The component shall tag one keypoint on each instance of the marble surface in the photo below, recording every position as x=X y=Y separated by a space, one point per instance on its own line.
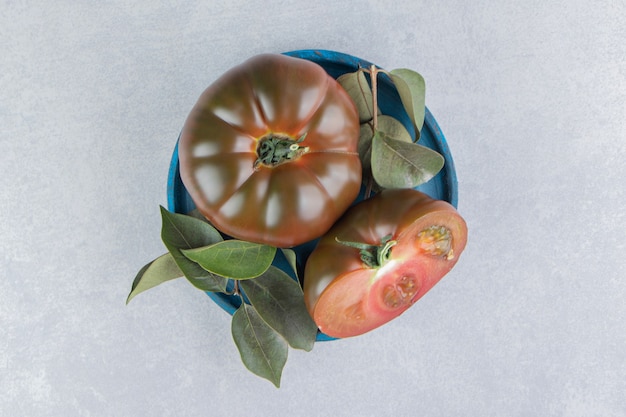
x=532 y=322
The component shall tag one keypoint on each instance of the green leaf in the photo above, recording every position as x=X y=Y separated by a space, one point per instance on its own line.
x=393 y=128
x=162 y=269
x=234 y=259
x=412 y=90
x=364 y=146
x=398 y=164
x=290 y=255
x=359 y=90
x=386 y=124
x=180 y=231
x=279 y=300
x=263 y=351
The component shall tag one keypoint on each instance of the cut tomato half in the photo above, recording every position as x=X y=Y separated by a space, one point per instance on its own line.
x=379 y=259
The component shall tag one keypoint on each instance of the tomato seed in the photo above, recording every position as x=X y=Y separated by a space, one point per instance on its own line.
x=436 y=241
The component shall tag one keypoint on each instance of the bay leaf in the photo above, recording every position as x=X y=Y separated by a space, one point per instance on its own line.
x=180 y=231
x=234 y=259
x=160 y=270
x=386 y=124
x=412 y=91
x=393 y=128
x=279 y=300
x=357 y=87
x=290 y=256
x=398 y=164
x=263 y=351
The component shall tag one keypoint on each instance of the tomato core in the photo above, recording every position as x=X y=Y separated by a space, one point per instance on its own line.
x=436 y=241
x=274 y=149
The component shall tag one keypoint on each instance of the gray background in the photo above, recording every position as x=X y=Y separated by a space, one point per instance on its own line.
x=532 y=98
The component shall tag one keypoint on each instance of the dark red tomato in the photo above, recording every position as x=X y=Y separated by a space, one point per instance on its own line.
x=268 y=153
x=379 y=259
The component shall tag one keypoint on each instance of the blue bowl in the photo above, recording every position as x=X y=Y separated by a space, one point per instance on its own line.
x=443 y=186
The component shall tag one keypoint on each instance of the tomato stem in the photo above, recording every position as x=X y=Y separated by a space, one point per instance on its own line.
x=374 y=256
x=273 y=150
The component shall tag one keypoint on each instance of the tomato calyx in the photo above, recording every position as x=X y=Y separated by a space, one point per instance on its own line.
x=275 y=149
x=374 y=256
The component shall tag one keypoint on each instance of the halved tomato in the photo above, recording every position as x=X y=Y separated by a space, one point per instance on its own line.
x=379 y=259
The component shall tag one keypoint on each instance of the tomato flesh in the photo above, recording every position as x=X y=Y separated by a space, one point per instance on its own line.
x=346 y=297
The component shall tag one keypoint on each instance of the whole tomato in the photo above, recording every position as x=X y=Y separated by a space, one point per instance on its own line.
x=269 y=152
x=379 y=259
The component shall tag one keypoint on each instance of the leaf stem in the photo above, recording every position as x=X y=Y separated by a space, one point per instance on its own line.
x=373 y=71
x=369 y=186
x=374 y=77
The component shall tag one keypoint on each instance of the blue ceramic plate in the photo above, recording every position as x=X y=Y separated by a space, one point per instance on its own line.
x=442 y=187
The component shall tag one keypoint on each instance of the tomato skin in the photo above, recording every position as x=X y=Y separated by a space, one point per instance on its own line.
x=289 y=203
x=345 y=296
